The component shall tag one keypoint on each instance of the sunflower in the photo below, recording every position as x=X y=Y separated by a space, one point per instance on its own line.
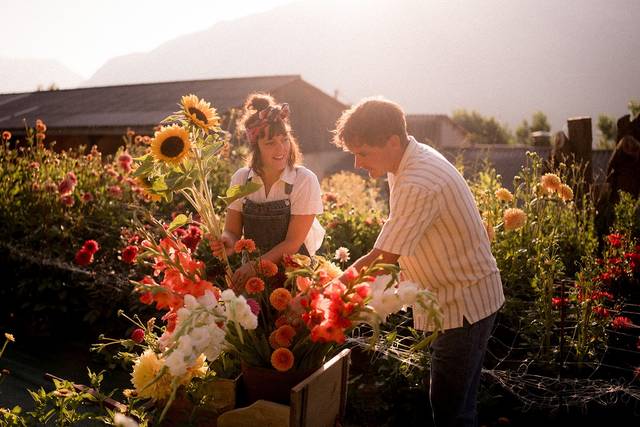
x=171 y=144
x=199 y=112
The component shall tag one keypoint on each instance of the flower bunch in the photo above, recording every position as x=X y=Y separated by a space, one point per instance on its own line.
x=184 y=152
x=304 y=310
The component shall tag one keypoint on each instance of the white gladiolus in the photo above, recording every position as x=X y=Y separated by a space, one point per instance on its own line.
x=176 y=363
x=388 y=301
x=122 y=420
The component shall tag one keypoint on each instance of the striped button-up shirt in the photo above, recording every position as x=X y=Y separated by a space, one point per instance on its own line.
x=435 y=227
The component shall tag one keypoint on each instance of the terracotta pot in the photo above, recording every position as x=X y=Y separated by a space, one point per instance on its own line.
x=269 y=384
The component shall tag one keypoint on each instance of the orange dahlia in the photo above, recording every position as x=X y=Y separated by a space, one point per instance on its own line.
x=280 y=299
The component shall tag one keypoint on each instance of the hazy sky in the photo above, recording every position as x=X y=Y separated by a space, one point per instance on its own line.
x=84 y=34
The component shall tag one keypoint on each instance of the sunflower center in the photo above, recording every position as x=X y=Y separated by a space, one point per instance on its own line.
x=199 y=114
x=172 y=146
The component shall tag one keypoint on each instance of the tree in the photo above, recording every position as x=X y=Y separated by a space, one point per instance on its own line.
x=539 y=122
x=482 y=130
x=523 y=133
x=607 y=131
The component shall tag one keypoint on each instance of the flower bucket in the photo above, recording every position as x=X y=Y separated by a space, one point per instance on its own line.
x=219 y=396
x=268 y=384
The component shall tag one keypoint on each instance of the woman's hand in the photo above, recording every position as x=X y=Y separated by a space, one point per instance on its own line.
x=242 y=274
x=224 y=244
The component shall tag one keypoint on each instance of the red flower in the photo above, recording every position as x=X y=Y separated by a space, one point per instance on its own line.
x=192 y=238
x=6 y=135
x=129 y=254
x=600 y=311
x=615 y=240
x=557 y=302
x=137 y=335
x=84 y=257
x=621 y=322
x=146 y=298
x=92 y=246
x=67 y=200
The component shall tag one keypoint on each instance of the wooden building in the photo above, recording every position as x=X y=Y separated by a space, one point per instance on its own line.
x=102 y=115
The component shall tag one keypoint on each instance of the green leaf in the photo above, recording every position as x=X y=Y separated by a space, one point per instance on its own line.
x=159 y=185
x=178 y=221
x=238 y=191
x=145 y=167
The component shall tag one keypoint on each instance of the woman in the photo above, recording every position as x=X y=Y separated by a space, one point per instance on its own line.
x=281 y=216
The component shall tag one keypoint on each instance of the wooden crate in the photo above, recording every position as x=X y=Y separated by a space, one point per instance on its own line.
x=321 y=399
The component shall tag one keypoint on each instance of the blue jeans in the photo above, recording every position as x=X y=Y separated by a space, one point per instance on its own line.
x=456 y=363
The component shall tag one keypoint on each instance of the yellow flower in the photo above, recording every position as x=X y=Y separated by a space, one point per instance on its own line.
x=145 y=370
x=9 y=337
x=504 y=195
x=550 y=182
x=199 y=112
x=144 y=188
x=198 y=370
x=330 y=268
x=514 y=218
x=171 y=144
x=565 y=192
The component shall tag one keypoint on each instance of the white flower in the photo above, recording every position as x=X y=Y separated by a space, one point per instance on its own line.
x=200 y=337
x=408 y=292
x=208 y=300
x=342 y=254
x=176 y=363
x=122 y=420
x=190 y=302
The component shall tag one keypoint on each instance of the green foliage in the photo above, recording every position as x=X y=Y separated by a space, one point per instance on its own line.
x=539 y=122
x=482 y=130
x=353 y=214
x=607 y=131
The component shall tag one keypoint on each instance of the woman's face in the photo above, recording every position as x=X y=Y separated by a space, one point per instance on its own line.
x=274 y=152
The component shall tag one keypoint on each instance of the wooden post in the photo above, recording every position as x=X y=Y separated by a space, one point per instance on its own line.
x=581 y=140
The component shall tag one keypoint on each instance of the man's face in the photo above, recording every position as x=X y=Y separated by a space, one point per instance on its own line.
x=375 y=159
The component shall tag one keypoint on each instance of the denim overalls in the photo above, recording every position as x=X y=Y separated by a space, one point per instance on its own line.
x=267 y=223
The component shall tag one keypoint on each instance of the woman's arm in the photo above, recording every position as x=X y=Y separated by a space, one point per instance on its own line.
x=230 y=235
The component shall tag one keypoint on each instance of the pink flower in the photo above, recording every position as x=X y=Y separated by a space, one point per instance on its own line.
x=67 y=200
x=125 y=162
x=557 y=302
x=137 y=335
x=66 y=186
x=86 y=197
x=254 y=306
x=115 y=191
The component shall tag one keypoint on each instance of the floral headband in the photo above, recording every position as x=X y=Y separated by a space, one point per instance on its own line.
x=266 y=117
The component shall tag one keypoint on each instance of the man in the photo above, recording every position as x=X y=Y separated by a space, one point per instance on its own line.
x=435 y=232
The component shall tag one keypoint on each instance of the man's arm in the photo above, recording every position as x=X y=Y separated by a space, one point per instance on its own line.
x=372 y=256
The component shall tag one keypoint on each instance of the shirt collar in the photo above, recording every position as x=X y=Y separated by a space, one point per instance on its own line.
x=412 y=146
x=288 y=175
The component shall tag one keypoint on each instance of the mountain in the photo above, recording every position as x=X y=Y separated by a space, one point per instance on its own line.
x=500 y=57
x=26 y=75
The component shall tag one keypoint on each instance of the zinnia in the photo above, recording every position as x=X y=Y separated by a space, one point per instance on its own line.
x=254 y=285
x=245 y=245
x=268 y=268
x=514 y=218
x=282 y=359
x=504 y=195
x=83 y=257
x=92 y=246
x=550 y=182
x=280 y=299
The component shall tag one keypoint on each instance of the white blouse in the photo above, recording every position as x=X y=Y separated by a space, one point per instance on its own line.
x=305 y=197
